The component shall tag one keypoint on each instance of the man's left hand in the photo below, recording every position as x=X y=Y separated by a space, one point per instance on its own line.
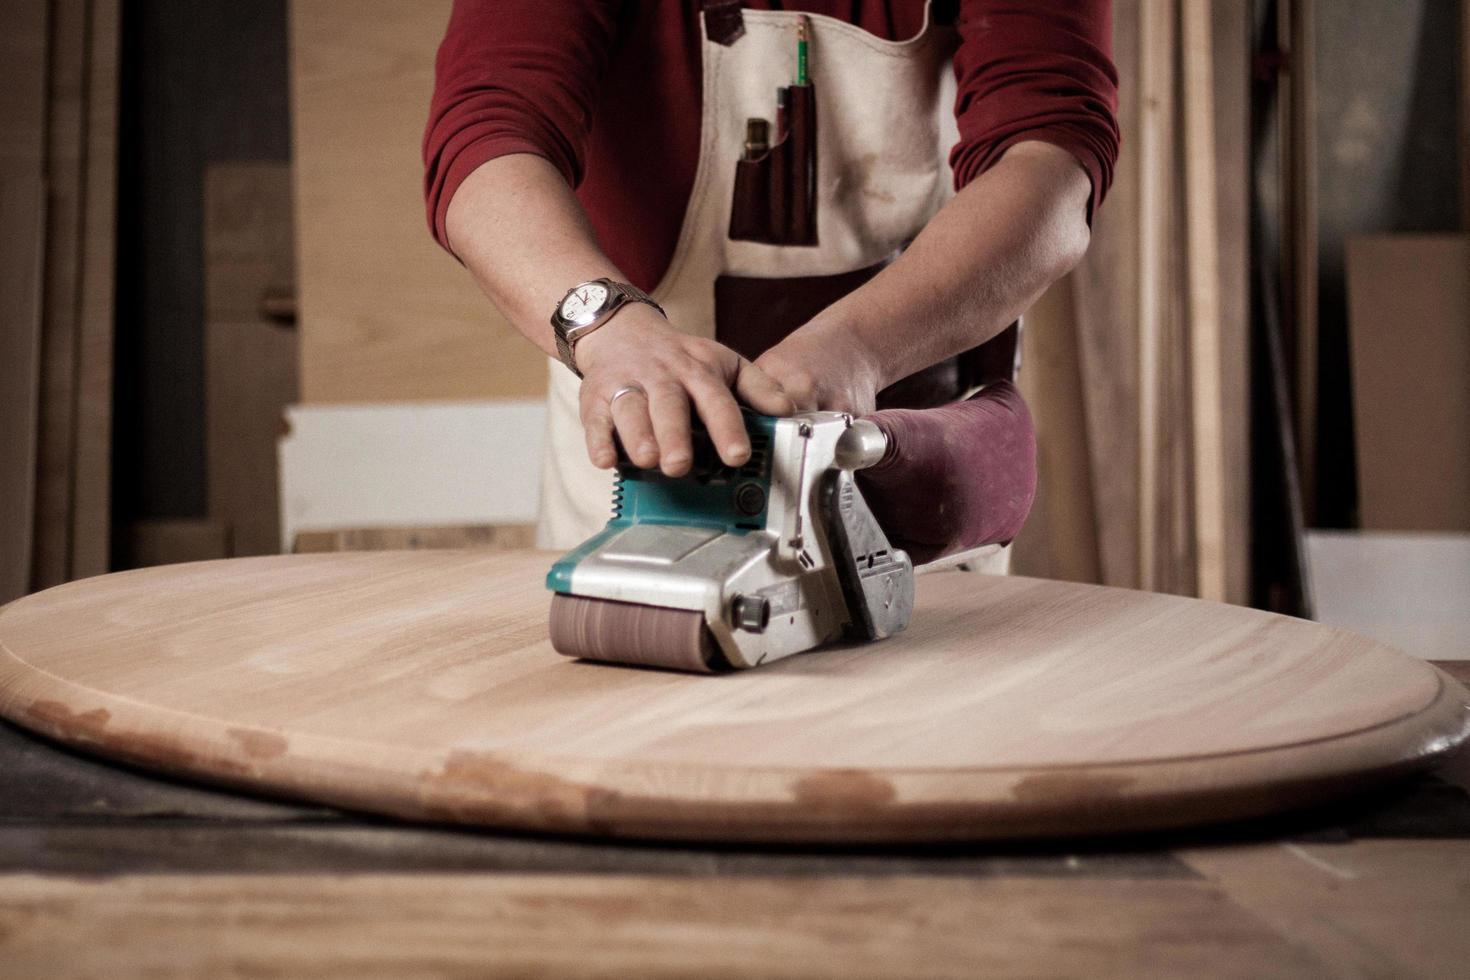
x=823 y=368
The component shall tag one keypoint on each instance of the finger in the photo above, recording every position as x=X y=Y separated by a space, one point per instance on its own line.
x=668 y=409
x=799 y=387
x=597 y=428
x=761 y=391
x=630 y=415
x=721 y=414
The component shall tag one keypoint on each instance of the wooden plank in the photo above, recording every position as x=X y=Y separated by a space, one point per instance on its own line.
x=23 y=52
x=91 y=537
x=1299 y=226
x=21 y=209
x=421 y=684
x=23 y=65
x=501 y=536
x=250 y=359
x=1107 y=294
x=1409 y=324
x=1176 y=561
x=1166 y=474
x=618 y=926
x=65 y=150
x=1372 y=908
x=385 y=314
x=1155 y=274
x=1206 y=354
x=1060 y=539
x=1232 y=80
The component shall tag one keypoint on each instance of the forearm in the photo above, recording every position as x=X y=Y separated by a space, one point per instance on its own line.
x=522 y=234
x=979 y=263
x=524 y=237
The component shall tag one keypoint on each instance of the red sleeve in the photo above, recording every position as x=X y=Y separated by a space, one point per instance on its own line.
x=1036 y=70
x=513 y=76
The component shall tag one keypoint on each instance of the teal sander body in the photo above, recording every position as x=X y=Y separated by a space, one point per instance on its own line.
x=732 y=567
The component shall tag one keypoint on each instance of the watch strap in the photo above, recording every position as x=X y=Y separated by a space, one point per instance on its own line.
x=639 y=296
x=564 y=351
x=565 y=345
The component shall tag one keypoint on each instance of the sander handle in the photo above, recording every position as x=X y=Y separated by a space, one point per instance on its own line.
x=861 y=445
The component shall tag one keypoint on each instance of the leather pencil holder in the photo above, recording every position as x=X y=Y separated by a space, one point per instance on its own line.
x=775 y=194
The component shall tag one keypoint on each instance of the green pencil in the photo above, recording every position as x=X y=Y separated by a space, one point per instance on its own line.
x=801 y=48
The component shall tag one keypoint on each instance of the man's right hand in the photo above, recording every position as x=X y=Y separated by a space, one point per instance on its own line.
x=516 y=225
x=667 y=371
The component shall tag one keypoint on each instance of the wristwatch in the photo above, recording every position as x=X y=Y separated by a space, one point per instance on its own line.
x=587 y=306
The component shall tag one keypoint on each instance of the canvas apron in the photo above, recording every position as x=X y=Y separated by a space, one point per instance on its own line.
x=885 y=124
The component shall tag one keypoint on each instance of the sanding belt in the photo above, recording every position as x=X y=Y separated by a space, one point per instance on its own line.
x=954 y=478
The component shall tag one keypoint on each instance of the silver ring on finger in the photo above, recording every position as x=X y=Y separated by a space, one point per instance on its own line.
x=627 y=390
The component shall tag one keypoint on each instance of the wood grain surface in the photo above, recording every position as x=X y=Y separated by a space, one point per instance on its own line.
x=421 y=684
x=632 y=926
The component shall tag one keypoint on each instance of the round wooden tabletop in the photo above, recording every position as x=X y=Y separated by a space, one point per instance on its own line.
x=422 y=684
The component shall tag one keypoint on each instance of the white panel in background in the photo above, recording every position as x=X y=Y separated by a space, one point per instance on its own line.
x=410 y=464
x=1408 y=589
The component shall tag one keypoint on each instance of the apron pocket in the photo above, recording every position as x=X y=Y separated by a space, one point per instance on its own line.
x=775 y=194
x=754 y=314
x=750 y=212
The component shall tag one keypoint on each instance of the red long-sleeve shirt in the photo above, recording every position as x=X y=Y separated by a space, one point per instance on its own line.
x=609 y=92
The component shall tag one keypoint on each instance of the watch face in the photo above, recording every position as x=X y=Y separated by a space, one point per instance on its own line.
x=584 y=303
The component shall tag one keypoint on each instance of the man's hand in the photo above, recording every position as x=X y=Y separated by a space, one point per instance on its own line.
x=980 y=262
x=668 y=371
x=824 y=367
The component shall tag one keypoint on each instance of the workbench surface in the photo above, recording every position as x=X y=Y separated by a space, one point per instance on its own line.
x=107 y=870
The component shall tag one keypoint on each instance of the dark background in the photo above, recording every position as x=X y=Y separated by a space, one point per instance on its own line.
x=201 y=82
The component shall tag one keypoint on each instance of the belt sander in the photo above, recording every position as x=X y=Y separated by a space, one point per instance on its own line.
x=732 y=567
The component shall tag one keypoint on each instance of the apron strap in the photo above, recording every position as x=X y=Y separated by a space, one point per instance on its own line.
x=722 y=21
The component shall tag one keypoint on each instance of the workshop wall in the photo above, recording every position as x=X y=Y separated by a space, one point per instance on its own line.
x=385 y=314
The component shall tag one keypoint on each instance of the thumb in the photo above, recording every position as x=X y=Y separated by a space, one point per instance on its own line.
x=760 y=391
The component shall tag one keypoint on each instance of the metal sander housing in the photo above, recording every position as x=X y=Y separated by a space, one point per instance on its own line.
x=737 y=566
